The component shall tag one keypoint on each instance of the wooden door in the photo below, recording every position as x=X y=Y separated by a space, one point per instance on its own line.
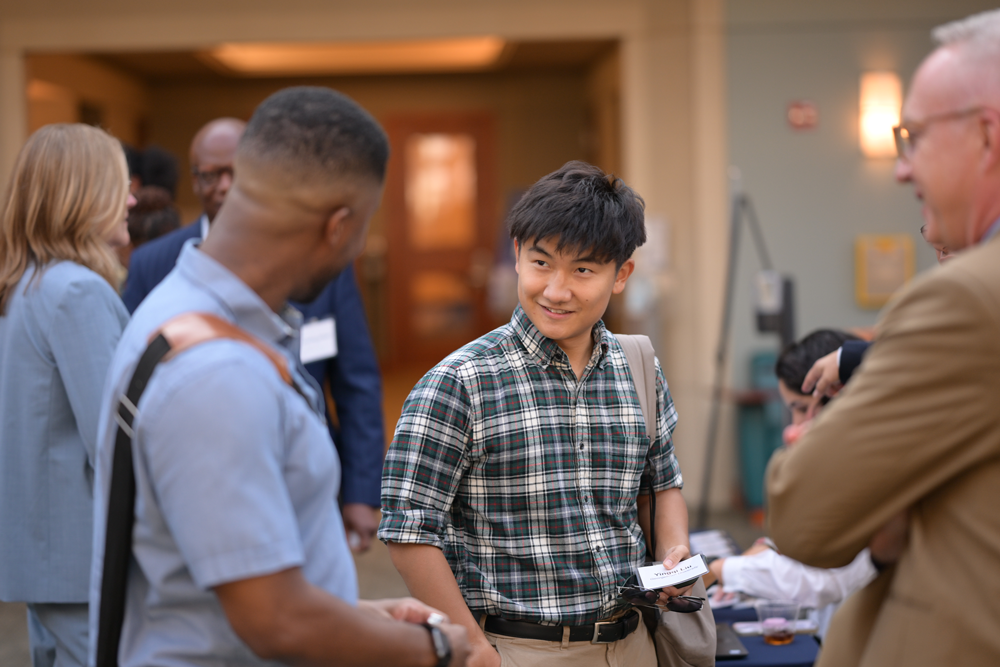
x=441 y=199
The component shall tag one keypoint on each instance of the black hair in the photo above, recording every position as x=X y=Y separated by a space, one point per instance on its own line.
x=586 y=209
x=133 y=158
x=152 y=216
x=317 y=129
x=797 y=358
x=159 y=168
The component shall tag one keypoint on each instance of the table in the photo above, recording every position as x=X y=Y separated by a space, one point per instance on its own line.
x=801 y=652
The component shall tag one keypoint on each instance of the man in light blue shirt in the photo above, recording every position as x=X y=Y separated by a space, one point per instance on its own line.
x=239 y=551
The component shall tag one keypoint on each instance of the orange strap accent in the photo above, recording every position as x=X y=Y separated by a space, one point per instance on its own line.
x=190 y=329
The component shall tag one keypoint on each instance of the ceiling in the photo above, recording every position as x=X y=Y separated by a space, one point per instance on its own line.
x=514 y=56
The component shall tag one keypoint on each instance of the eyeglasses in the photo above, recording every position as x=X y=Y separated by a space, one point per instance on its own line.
x=210 y=177
x=906 y=134
x=644 y=597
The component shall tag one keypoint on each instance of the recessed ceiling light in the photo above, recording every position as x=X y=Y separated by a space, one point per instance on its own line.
x=316 y=59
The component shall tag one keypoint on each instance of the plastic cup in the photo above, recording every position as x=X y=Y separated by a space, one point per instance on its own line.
x=777 y=621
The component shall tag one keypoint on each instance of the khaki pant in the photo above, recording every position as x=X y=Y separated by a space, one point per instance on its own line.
x=636 y=650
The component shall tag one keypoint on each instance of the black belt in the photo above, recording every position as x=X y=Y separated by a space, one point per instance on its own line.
x=599 y=633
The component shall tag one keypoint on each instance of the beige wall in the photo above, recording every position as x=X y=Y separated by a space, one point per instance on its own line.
x=541 y=117
x=58 y=84
x=673 y=140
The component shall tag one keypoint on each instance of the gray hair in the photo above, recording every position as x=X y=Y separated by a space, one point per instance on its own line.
x=978 y=39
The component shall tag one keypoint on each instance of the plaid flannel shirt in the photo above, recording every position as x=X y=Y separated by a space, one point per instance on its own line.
x=526 y=477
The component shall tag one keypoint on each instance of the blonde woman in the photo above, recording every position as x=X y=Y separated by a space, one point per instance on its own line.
x=60 y=320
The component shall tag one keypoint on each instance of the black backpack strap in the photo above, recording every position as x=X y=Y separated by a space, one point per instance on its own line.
x=121 y=510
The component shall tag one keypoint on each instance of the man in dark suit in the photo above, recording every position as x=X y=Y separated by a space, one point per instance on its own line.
x=343 y=355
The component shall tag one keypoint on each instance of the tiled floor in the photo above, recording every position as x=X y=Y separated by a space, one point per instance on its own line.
x=14 y=635
x=377 y=578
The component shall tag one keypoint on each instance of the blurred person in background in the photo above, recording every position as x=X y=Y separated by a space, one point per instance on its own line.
x=918 y=426
x=133 y=158
x=762 y=571
x=153 y=216
x=159 y=168
x=212 y=151
x=60 y=320
x=349 y=366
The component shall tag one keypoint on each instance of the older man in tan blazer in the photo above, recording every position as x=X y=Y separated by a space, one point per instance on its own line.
x=918 y=428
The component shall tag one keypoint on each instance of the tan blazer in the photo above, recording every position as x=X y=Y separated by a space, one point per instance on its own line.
x=917 y=427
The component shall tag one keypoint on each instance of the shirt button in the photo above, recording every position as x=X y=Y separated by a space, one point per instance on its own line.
x=586 y=499
x=581 y=445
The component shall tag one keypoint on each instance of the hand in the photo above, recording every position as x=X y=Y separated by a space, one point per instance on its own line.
x=674 y=556
x=483 y=655
x=408 y=610
x=793 y=432
x=361 y=520
x=888 y=544
x=823 y=379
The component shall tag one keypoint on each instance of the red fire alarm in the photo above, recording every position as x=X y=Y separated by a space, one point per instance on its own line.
x=802 y=115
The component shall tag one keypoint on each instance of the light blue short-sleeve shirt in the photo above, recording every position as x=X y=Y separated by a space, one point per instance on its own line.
x=236 y=476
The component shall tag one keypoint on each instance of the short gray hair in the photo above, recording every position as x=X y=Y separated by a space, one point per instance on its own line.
x=978 y=39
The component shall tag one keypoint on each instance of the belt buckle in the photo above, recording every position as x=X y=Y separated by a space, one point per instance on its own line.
x=596 y=639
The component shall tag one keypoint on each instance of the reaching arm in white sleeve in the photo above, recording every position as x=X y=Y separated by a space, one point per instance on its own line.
x=768 y=574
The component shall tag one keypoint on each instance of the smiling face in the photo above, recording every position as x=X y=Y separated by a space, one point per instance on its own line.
x=943 y=165
x=564 y=294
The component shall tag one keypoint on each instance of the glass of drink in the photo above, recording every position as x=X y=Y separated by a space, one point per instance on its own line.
x=777 y=621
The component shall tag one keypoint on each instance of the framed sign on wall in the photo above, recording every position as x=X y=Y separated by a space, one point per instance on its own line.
x=882 y=264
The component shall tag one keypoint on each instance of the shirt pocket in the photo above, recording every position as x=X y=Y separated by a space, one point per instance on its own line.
x=617 y=463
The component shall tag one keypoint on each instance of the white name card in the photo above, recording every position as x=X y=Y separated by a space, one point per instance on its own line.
x=657 y=576
x=318 y=340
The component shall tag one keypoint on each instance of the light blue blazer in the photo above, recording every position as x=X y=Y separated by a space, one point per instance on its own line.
x=57 y=337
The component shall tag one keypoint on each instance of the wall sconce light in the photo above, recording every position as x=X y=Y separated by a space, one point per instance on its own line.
x=881 y=99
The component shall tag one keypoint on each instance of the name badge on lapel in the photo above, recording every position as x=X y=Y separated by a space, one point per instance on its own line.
x=318 y=340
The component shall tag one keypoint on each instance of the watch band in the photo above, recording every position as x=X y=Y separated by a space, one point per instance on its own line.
x=442 y=648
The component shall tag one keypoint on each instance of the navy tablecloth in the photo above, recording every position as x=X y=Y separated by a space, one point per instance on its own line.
x=801 y=652
x=730 y=615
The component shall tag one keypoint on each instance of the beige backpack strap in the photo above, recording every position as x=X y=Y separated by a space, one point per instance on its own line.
x=190 y=329
x=642 y=362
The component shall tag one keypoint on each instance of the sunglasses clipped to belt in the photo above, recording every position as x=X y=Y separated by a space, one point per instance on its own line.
x=603 y=632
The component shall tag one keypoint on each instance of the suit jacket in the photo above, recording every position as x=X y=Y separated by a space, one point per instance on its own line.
x=151 y=262
x=918 y=427
x=852 y=352
x=354 y=376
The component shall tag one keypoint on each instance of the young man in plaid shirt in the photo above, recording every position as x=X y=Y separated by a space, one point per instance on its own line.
x=509 y=493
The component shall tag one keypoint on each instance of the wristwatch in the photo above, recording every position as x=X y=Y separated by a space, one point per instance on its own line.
x=442 y=649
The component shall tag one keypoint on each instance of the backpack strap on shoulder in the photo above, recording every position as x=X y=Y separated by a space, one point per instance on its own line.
x=642 y=362
x=173 y=337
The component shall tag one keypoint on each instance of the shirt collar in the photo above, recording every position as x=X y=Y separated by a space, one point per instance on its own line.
x=992 y=231
x=247 y=309
x=205 y=225
x=545 y=350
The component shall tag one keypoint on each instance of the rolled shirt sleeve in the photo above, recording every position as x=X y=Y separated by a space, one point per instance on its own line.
x=426 y=462
x=666 y=469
